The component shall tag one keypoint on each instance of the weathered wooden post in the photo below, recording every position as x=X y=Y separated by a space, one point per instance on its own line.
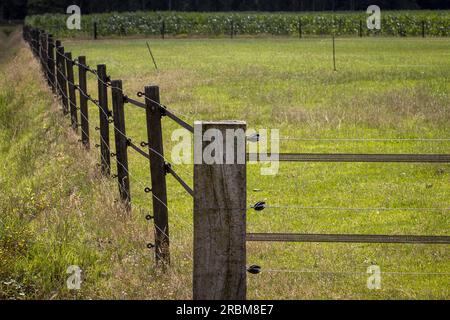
x=95 y=30
x=158 y=171
x=72 y=95
x=121 y=141
x=62 y=78
x=84 y=114
x=104 y=119
x=232 y=29
x=219 y=211
x=40 y=47
x=51 y=63
x=163 y=29
x=36 y=42
x=300 y=31
x=43 y=49
x=57 y=68
x=360 y=28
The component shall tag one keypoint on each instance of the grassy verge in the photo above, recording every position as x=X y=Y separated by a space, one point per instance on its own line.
x=55 y=210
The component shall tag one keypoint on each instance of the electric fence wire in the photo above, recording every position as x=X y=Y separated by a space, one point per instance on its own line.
x=177 y=217
x=108 y=115
x=364 y=139
x=354 y=272
x=259 y=207
x=128 y=173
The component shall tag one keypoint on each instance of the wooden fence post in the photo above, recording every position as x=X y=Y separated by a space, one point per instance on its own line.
x=158 y=174
x=95 y=30
x=163 y=29
x=36 y=42
x=104 y=119
x=121 y=141
x=61 y=69
x=72 y=95
x=220 y=214
x=232 y=29
x=43 y=50
x=40 y=53
x=84 y=113
x=51 y=63
x=300 y=31
x=57 y=66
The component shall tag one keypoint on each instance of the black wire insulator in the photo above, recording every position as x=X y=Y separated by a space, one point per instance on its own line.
x=167 y=167
x=148 y=217
x=259 y=206
x=254 y=269
x=144 y=144
x=253 y=138
x=150 y=245
x=147 y=190
x=140 y=94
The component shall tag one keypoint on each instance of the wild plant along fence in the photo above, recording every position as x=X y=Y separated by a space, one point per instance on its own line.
x=219 y=191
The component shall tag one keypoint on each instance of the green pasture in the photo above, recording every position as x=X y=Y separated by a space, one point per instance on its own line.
x=383 y=89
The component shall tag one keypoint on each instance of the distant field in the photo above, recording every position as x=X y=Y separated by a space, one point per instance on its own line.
x=384 y=88
x=219 y=24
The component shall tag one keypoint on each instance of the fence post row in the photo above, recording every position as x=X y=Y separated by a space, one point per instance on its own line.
x=104 y=120
x=121 y=141
x=158 y=174
x=84 y=113
x=72 y=95
x=220 y=215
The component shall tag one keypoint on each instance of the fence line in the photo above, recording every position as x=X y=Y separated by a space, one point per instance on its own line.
x=301 y=28
x=61 y=80
x=219 y=191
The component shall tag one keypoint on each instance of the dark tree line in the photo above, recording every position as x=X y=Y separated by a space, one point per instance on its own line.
x=18 y=9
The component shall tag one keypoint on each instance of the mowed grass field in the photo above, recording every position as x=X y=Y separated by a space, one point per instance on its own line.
x=383 y=88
